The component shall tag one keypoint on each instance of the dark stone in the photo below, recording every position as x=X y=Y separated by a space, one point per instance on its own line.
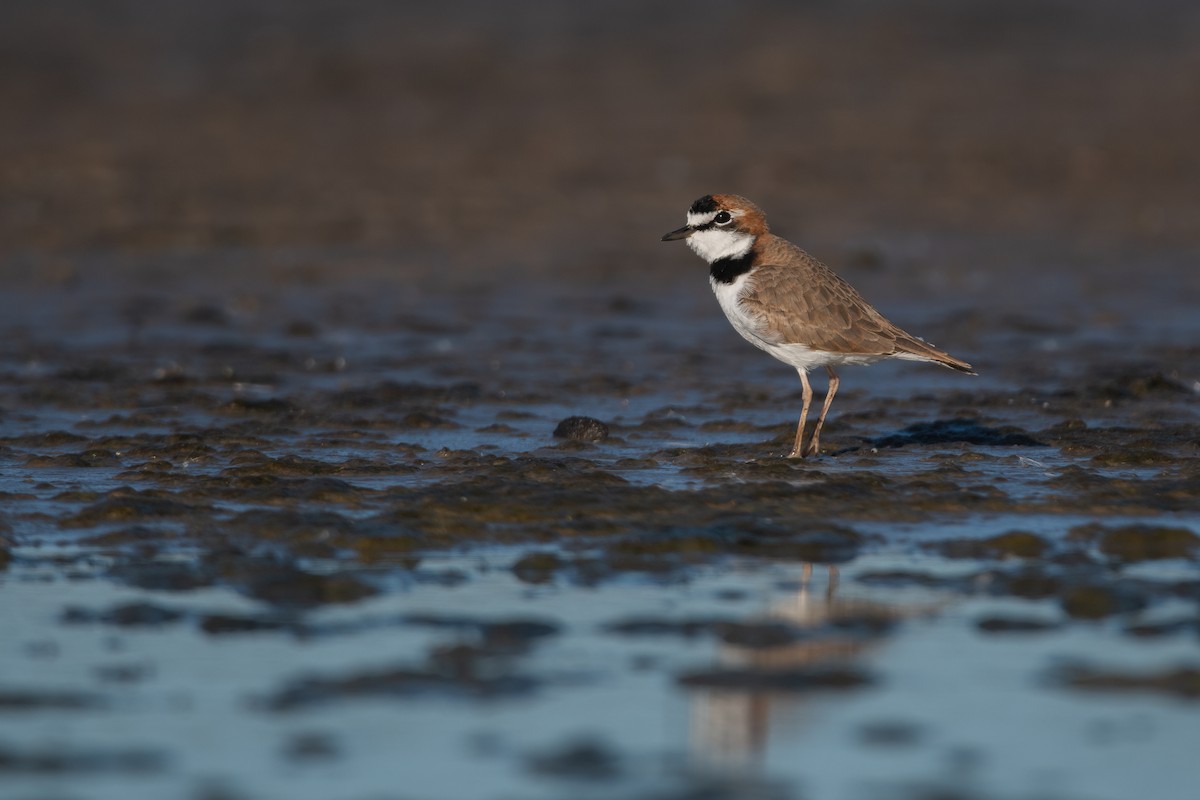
x=583 y=429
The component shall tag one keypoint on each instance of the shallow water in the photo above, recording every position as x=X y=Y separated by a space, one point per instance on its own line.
x=349 y=558
x=585 y=703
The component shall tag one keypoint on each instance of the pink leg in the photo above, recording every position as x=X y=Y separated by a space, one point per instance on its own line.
x=797 y=448
x=814 y=444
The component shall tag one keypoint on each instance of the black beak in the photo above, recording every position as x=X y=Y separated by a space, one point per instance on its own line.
x=681 y=233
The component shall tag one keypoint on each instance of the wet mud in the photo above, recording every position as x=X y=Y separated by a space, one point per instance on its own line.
x=350 y=426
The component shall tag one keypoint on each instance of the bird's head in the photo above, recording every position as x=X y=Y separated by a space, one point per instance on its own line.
x=721 y=226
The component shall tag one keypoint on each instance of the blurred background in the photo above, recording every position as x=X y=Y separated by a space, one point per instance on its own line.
x=537 y=136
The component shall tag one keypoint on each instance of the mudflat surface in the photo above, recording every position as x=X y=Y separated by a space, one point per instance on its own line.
x=298 y=305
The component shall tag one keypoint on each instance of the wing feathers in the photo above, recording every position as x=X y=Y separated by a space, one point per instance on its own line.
x=805 y=302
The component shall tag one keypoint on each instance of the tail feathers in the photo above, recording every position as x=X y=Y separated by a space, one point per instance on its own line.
x=955 y=364
x=919 y=350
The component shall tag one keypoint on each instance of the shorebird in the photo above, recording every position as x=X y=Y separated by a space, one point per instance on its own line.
x=784 y=301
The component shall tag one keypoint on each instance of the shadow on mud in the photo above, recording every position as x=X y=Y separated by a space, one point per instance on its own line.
x=954 y=431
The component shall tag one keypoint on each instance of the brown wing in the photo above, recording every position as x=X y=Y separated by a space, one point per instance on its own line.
x=807 y=303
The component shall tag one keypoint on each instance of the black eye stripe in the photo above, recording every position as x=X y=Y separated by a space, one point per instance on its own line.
x=720 y=220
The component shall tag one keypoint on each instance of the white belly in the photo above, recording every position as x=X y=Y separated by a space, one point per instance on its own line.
x=800 y=356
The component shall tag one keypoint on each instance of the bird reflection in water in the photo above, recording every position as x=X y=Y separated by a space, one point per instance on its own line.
x=753 y=681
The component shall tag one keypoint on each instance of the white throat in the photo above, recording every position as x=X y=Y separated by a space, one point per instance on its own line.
x=715 y=244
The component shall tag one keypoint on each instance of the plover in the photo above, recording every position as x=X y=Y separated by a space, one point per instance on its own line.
x=784 y=301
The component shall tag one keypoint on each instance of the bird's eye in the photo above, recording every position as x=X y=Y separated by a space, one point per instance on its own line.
x=723 y=218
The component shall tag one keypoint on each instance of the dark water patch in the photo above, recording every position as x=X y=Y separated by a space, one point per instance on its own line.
x=129 y=615
x=253 y=570
x=494 y=636
x=392 y=395
x=17 y=700
x=451 y=673
x=1174 y=627
x=268 y=406
x=732 y=426
x=903 y=578
x=223 y=624
x=205 y=314
x=1180 y=682
x=815 y=679
x=891 y=734
x=149 y=615
x=309 y=747
x=584 y=760
x=66 y=762
x=165 y=576
x=95 y=371
x=817 y=545
x=756 y=634
x=1008 y=624
x=123 y=673
x=958 y=431
x=1032 y=584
